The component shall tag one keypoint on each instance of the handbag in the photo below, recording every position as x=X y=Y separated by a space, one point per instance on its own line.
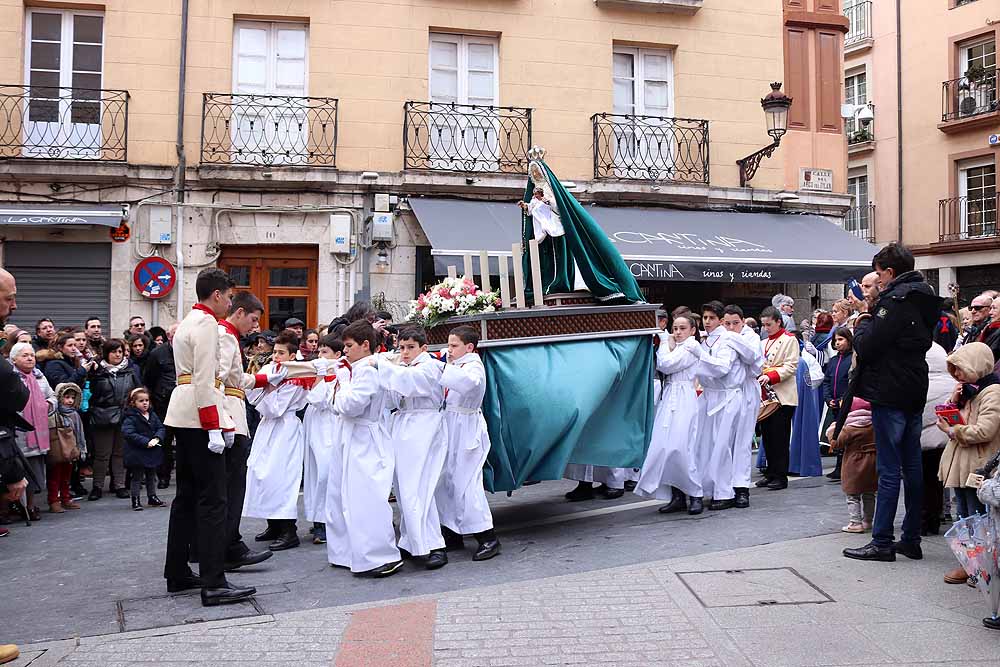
x=815 y=370
x=62 y=443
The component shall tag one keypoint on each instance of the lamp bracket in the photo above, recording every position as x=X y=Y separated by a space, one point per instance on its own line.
x=748 y=165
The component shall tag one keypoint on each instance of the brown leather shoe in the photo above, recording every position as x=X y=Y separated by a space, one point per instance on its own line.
x=956 y=576
x=56 y=508
x=71 y=505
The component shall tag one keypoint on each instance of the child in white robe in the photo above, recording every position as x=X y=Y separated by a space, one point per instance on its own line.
x=359 y=530
x=320 y=425
x=670 y=471
x=461 y=498
x=274 y=469
x=746 y=345
x=419 y=443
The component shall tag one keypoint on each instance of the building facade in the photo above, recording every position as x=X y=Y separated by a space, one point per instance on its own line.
x=283 y=141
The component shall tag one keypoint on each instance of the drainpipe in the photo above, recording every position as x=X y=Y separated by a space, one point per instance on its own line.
x=899 y=113
x=179 y=175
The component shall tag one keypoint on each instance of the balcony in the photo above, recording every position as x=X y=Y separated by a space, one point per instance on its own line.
x=969 y=101
x=859 y=34
x=63 y=123
x=650 y=148
x=860 y=221
x=268 y=130
x=964 y=219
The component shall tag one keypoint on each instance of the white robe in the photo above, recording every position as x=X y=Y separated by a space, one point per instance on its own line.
x=671 y=459
x=359 y=532
x=545 y=220
x=274 y=469
x=750 y=353
x=720 y=407
x=320 y=427
x=419 y=444
x=461 y=498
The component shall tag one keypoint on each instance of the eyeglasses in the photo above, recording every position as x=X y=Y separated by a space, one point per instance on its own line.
x=978 y=307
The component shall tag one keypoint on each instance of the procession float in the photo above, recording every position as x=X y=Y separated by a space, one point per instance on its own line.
x=567 y=342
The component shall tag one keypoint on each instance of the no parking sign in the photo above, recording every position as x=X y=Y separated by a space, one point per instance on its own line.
x=154 y=277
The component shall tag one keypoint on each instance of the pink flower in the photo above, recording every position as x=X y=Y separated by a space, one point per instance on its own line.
x=444 y=292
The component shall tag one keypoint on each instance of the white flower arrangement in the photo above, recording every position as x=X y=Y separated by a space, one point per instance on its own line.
x=450 y=298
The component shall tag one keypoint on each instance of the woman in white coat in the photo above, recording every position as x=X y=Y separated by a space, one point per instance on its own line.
x=670 y=470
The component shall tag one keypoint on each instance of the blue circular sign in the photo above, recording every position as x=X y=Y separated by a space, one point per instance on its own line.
x=154 y=277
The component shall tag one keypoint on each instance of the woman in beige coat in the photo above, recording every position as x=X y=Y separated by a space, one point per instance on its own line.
x=973 y=442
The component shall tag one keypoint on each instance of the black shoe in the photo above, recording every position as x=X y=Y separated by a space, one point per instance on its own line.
x=487 y=549
x=122 y=494
x=154 y=501
x=697 y=505
x=271 y=533
x=247 y=558
x=764 y=481
x=436 y=560
x=404 y=554
x=833 y=474
x=386 y=570
x=630 y=485
x=178 y=585
x=452 y=540
x=95 y=493
x=742 y=498
x=778 y=484
x=163 y=484
x=211 y=597
x=288 y=540
x=79 y=493
x=583 y=491
x=716 y=505
x=991 y=623
x=609 y=493
x=930 y=529
x=136 y=505
x=911 y=550
x=871 y=551
x=678 y=503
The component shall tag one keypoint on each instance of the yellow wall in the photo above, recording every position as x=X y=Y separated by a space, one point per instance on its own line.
x=555 y=57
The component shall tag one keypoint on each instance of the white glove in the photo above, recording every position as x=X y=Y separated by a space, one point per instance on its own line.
x=343 y=372
x=216 y=441
x=277 y=375
x=322 y=366
x=153 y=442
x=694 y=347
x=229 y=437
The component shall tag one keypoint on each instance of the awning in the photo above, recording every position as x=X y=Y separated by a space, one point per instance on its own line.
x=38 y=215
x=665 y=244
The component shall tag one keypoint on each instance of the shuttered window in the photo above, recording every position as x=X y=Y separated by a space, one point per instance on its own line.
x=66 y=282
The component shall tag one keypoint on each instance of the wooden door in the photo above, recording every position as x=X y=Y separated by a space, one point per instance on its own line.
x=284 y=278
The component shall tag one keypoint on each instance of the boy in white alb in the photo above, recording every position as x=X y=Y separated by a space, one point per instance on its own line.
x=274 y=469
x=746 y=344
x=461 y=499
x=320 y=426
x=419 y=443
x=359 y=531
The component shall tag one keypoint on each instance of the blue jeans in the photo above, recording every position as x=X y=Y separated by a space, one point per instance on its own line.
x=897 y=448
x=968 y=502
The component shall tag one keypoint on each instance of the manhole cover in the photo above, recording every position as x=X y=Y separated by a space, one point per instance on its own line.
x=752 y=588
x=163 y=610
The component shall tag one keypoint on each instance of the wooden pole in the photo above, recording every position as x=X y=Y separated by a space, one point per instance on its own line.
x=484 y=269
x=452 y=272
x=504 y=283
x=467 y=258
x=518 y=275
x=536 y=273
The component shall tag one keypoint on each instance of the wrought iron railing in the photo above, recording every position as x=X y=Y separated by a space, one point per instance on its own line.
x=860 y=221
x=859 y=134
x=269 y=130
x=961 y=218
x=860 y=16
x=650 y=148
x=63 y=123
x=445 y=136
x=969 y=95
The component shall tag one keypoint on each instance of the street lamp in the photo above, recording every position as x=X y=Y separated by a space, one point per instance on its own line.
x=775 y=107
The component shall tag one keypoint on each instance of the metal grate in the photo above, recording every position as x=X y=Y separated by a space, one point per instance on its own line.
x=777 y=586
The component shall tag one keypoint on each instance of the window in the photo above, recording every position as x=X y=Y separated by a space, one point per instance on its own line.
x=643 y=93
x=63 y=66
x=857 y=217
x=270 y=64
x=855 y=92
x=283 y=277
x=977 y=185
x=978 y=77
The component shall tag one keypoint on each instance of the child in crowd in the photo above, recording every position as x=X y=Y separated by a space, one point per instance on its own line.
x=274 y=469
x=144 y=434
x=359 y=530
x=419 y=445
x=858 y=476
x=320 y=426
x=460 y=496
x=65 y=428
x=835 y=381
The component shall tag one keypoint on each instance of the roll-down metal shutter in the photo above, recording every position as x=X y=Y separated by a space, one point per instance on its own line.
x=66 y=282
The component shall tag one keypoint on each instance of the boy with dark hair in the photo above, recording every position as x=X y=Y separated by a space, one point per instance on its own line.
x=419 y=445
x=359 y=530
x=320 y=427
x=460 y=496
x=746 y=344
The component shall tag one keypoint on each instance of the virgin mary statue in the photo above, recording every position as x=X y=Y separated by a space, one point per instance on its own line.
x=574 y=252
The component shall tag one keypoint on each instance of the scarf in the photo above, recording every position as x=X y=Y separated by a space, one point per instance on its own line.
x=971 y=390
x=70 y=417
x=117 y=368
x=859 y=418
x=36 y=413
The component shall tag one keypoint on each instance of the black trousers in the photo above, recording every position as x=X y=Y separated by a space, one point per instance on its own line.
x=776 y=431
x=236 y=489
x=933 y=499
x=166 y=468
x=139 y=474
x=199 y=509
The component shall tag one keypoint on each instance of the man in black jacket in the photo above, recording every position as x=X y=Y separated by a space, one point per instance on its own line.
x=891 y=341
x=13 y=398
x=161 y=379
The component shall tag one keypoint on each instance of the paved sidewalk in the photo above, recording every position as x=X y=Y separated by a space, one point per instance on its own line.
x=796 y=603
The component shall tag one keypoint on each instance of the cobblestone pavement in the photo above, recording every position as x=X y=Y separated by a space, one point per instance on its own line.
x=796 y=603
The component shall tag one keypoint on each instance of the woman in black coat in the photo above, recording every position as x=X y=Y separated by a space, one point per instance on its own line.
x=110 y=385
x=836 y=378
x=63 y=363
x=144 y=434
